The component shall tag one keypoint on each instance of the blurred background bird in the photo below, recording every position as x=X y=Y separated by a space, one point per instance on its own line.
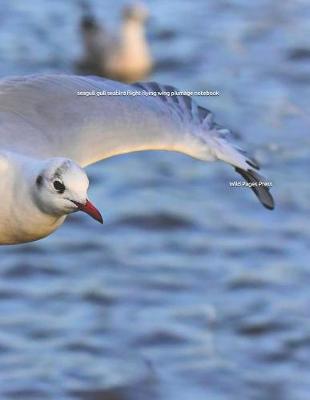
x=124 y=55
x=198 y=293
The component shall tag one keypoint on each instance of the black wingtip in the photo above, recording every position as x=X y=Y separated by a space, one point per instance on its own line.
x=253 y=163
x=261 y=191
x=249 y=160
x=269 y=206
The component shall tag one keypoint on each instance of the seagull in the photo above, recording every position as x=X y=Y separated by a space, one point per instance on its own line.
x=52 y=126
x=125 y=56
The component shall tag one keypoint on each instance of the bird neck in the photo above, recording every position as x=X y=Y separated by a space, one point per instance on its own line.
x=133 y=38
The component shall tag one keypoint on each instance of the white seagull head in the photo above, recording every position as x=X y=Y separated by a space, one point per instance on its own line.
x=61 y=189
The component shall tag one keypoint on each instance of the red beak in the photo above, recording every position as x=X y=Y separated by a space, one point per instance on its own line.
x=91 y=210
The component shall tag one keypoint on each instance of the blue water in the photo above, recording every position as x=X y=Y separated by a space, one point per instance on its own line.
x=190 y=290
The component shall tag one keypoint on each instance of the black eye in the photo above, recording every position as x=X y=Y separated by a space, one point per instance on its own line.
x=39 y=180
x=59 y=186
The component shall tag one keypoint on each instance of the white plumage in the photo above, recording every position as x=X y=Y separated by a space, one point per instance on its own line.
x=52 y=125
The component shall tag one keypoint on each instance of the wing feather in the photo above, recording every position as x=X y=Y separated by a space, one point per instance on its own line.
x=47 y=115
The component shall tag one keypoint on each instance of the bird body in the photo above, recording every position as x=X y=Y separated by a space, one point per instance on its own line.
x=51 y=126
x=128 y=58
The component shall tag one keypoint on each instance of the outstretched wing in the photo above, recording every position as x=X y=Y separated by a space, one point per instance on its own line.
x=219 y=140
x=83 y=118
x=88 y=119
